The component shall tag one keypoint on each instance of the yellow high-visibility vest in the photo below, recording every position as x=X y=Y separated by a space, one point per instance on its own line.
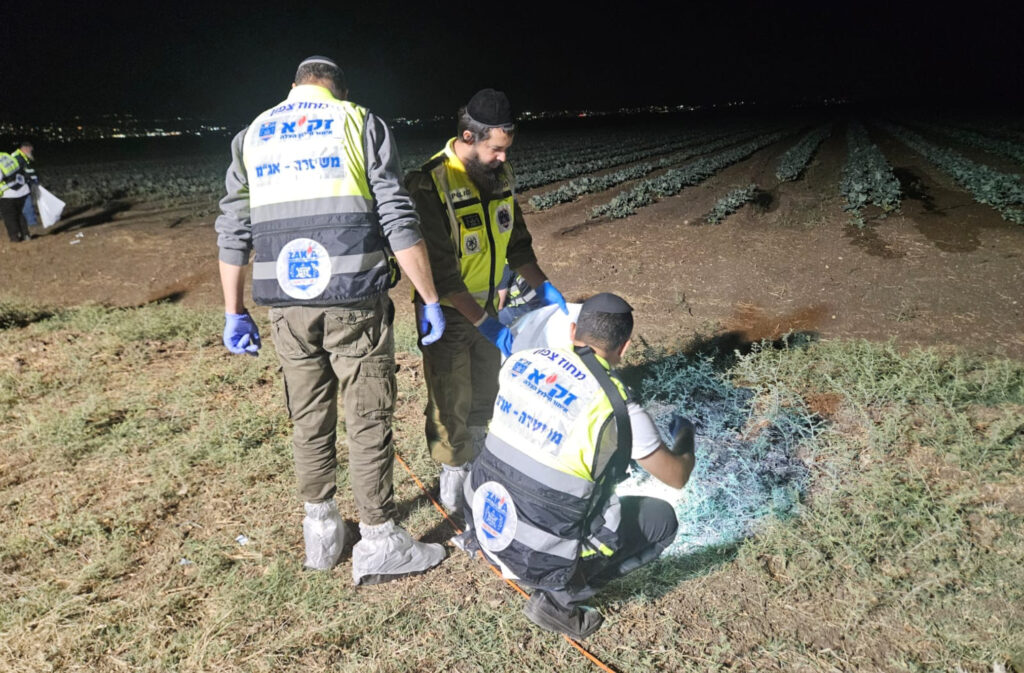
x=480 y=227
x=317 y=239
x=532 y=491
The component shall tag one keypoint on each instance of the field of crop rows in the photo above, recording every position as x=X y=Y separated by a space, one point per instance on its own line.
x=629 y=167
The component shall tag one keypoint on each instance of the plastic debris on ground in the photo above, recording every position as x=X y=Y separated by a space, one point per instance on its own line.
x=241 y=539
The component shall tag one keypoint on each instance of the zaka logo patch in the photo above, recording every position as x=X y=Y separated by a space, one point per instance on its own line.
x=519 y=367
x=494 y=515
x=471 y=244
x=303 y=268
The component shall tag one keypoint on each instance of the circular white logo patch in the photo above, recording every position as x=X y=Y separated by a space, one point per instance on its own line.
x=494 y=515
x=303 y=268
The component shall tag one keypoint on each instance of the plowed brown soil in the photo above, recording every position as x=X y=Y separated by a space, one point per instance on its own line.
x=945 y=270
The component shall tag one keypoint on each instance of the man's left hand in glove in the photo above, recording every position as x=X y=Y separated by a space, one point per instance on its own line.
x=550 y=295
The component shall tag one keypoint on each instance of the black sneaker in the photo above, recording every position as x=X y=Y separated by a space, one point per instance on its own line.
x=577 y=623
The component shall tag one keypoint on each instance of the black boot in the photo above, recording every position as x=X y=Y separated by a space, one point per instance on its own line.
x=577 y=622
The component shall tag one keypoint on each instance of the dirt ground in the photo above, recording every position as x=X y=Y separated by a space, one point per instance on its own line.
x=944 y=270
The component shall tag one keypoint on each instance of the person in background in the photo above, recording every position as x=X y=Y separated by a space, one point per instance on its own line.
x=16 y=187
x=473 y=226
x=515 y=297
x=29 y=210
x=314 y=189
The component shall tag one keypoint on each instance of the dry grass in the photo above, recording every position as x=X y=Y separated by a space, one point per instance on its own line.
x=134 y=451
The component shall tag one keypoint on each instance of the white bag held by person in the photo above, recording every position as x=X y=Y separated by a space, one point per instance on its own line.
x=545 y=327
x=50 y=207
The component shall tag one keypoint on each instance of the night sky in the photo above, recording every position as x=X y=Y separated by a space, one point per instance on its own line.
x=228 y=62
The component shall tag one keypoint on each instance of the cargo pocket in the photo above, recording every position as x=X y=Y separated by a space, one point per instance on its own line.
x=376 y=386
x=287 y=344
x=351 y=333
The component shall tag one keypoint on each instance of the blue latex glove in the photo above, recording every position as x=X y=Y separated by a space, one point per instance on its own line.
x=240 y=334
x=682 y=431
x=497 y=334
x=431 y=322
x=550 y=295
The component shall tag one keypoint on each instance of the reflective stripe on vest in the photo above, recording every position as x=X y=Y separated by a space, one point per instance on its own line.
x=8 y=170
x=13 y=174
x=8 y=164
x=541 y=447
x=480 y=228
x=316 y=237
x=520 y=293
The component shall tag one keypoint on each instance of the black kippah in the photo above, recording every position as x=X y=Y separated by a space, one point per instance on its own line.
x=490 y=108
x=606 y=302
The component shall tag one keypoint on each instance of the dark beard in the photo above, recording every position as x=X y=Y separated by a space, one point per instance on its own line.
x=487 y=179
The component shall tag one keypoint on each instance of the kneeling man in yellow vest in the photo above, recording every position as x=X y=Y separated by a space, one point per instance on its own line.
x=540 y=500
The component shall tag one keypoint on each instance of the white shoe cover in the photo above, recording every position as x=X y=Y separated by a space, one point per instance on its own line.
x=323 y=530
x=387 y=553
x=452 y=482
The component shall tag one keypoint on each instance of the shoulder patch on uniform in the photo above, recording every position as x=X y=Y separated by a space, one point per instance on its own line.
x=504 y=216
x=433 y=163
x=471 y=244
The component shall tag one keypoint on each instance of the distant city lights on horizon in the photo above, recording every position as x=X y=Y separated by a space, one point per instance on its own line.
x=126 y=125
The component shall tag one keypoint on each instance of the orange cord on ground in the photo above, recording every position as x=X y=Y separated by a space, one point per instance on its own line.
x=458 y=531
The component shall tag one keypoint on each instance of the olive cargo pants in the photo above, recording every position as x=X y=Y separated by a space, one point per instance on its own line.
x=351 y=348
x=461 y=372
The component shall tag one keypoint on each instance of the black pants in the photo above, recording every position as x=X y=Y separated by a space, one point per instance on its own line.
x=648 y=526
x=11 y=209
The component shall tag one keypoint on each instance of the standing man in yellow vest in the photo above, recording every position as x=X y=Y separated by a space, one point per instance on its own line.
x=315 y=191
x=465 y=196
x=540 y=500
x=16 y=179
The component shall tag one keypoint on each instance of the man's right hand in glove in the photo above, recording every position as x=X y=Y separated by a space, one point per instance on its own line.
x=673 y=464
x=682 y=435
x=431 y=322
x=240 y=334
x=497 y=334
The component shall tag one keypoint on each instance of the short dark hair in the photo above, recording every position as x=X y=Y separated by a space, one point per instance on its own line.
x=318 y=70
x=26 y=143
x=478 y=130
x=607 y=331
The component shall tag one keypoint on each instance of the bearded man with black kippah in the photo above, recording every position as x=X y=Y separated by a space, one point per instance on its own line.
x=472 y=224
